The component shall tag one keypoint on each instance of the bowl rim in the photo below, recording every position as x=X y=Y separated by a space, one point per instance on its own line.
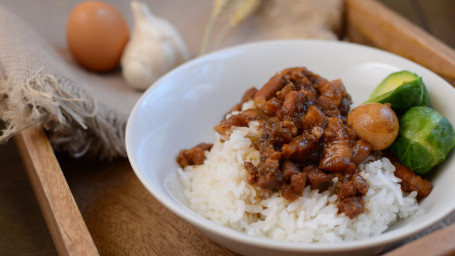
x=267 y=243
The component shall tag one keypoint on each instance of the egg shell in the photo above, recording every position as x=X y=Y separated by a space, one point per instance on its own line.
x=96 y=34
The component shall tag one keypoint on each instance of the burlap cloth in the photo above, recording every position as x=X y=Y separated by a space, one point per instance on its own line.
x=85 y=113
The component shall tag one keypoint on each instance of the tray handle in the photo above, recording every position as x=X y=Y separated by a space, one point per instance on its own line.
x=66 y=225
x=370 y=22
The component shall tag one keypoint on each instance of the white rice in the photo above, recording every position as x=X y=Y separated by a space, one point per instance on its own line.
x=219 y=191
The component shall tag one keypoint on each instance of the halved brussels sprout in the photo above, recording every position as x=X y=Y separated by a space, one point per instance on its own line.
x=402 y=90
x=424 y=140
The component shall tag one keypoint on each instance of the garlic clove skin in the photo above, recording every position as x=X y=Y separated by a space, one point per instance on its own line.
x=155 y=47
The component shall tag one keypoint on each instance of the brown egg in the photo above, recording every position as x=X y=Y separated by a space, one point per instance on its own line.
x=374 y=123
x=97 y=34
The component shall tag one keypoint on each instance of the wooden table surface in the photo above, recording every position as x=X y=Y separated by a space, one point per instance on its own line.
x=24 y=231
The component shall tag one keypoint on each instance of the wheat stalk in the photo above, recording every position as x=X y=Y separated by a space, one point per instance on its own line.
x=243 y=10
x=219 y=7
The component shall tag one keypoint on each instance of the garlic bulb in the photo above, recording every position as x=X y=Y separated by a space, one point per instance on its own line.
x=154 y=48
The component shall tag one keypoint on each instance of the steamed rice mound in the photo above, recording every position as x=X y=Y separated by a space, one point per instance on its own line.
x=219 y=191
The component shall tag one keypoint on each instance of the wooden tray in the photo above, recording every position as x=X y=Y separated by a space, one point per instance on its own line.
x=93 y=207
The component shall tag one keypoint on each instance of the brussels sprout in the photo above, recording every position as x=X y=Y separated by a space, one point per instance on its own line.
x=424 y=140
x=402 y=90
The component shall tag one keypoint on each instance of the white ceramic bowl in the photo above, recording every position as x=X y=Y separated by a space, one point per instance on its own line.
x=180 y=110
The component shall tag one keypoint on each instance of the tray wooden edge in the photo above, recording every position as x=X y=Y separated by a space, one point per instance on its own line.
x=440 y=242
x=371 y=23
x=63 y=218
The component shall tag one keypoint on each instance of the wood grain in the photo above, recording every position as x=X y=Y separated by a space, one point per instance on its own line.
x=369 y=22
x=124 y=218
x=67 y=228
